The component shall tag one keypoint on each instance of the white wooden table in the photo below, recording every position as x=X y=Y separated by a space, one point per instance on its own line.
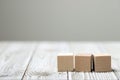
x=38 y=60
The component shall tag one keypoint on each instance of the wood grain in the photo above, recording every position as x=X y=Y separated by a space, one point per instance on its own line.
x=113 y=48
x=3 y=46
x=14 y=60
x=38 y=60
x=90 y=48
x=82 y=47
x=44 y=63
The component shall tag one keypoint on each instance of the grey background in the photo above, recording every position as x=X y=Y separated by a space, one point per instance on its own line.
x=72 y=20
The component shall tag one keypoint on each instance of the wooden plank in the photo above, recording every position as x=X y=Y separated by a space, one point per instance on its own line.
x=14 y=60
x=90 y=48
x=76 y=76
x=101 y=75
x=113 y=48
x=44 y=63
x=77 y=48
x=83 y=47
x=3 y=46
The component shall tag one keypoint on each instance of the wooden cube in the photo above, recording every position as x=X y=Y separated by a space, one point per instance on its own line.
x=65 y=63
x=102 y=62
x=83 y=62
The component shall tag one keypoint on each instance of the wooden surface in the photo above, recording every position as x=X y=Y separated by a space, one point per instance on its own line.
x=38 y=60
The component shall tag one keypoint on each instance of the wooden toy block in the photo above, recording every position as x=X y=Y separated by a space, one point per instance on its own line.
x=102 y=62
x=65 y=63
x=83 y=62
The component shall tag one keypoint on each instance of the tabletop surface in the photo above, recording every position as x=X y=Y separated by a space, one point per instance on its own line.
x=38 y=60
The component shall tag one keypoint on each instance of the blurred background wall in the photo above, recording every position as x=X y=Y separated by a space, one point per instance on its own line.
x=71 y=20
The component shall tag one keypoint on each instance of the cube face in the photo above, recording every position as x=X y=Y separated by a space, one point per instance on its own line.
x=83 y=63
x=65 y=63
x=102 y=63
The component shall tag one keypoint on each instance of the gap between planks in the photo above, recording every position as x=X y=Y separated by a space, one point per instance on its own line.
x=29 y=61
x=73 y=48
x=15 y=59
x=94 y=48
x=43 y=65
x=112 y=49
